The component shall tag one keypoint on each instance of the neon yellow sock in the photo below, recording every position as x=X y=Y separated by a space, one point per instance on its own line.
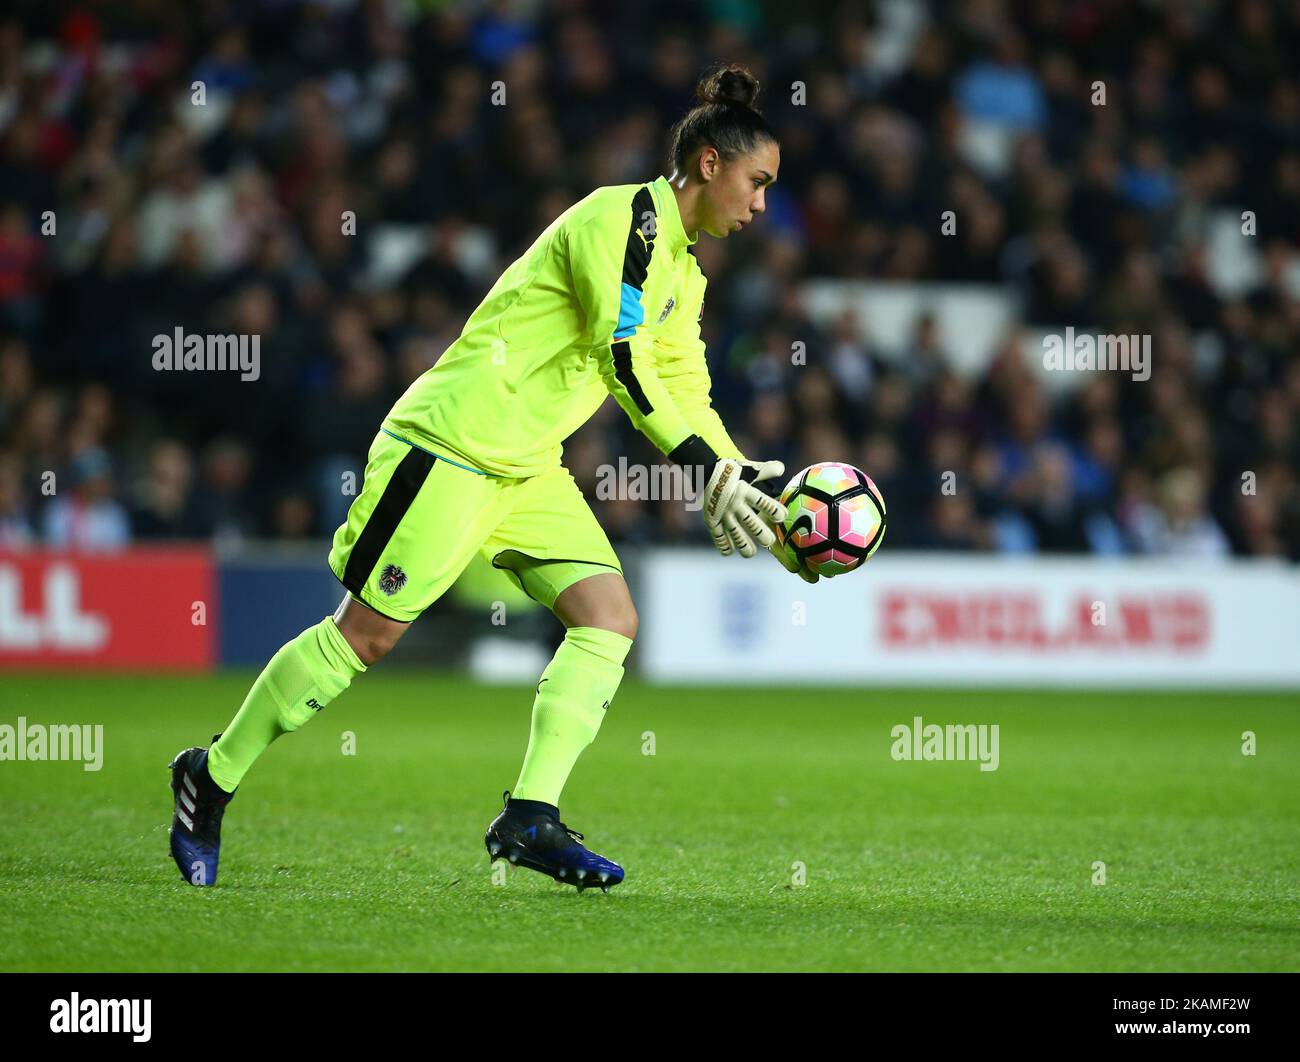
x=301 y=679
x=572 y=697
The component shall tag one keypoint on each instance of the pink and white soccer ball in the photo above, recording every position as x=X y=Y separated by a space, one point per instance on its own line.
x=835 y=518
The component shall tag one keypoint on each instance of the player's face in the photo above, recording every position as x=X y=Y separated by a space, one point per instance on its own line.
x=736 y=193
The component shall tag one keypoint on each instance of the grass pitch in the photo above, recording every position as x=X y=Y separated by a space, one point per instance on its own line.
x=375 y=861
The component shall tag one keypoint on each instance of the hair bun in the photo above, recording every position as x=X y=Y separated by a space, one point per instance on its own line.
x=728 y=84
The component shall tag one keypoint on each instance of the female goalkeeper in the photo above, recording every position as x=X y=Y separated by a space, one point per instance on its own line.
x=606 y=301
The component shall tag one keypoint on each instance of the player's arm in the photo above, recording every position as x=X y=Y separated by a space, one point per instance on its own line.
x=683 y=368
x=608 y=260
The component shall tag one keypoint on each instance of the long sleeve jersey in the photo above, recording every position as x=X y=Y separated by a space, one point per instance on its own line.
x=607 y=301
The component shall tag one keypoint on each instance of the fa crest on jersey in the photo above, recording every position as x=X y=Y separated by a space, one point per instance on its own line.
x=668 y=308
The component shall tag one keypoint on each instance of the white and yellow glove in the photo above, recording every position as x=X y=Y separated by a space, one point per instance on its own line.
x=771 y=470
x=756 y=472
x=739 y=516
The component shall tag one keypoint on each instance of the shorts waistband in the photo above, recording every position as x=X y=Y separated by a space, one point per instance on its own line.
x=440 y=457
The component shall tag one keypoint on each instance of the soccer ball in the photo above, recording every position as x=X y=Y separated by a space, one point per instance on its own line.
x=835 y=518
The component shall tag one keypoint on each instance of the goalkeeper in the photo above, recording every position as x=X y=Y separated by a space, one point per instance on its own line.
x=607 y=300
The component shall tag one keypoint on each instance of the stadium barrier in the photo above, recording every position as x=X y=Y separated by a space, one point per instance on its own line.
x=919 y=619
x=139 y=609
x=190 y=609
x=952 y=620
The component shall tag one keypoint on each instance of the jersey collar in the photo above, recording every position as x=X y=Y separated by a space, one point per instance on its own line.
x=670 y=218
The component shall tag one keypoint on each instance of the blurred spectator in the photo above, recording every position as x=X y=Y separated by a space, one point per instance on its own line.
x=87 y=516
x=1178 y=524
x=16 y=528
x=163 y=507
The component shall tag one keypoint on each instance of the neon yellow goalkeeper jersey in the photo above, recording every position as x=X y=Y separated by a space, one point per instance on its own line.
x=606 y=301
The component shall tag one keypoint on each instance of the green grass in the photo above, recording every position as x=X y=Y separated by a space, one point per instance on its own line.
x=376 y=861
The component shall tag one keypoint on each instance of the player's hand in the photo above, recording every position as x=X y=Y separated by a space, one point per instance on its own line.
x=757 y=472
x=761 y=471
x=792 y=563
x=739 y=516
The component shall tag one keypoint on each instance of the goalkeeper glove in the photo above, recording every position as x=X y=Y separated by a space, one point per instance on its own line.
x=757 y=473
x=739 y=515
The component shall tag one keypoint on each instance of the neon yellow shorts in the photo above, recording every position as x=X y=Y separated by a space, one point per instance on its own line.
x=420 y=517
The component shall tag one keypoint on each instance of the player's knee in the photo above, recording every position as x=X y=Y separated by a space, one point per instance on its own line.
x=369 y=634
x=370 y=645
x=622 y=621
x=372 y=648
x=602 y=602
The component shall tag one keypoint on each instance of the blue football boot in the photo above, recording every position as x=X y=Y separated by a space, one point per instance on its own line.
x=196 y=819
x=530 y=834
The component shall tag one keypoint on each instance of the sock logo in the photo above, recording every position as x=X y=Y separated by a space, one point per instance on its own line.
x=604 y=706
x=315 y=705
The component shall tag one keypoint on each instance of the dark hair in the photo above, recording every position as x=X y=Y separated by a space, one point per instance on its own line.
x=725 y=118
